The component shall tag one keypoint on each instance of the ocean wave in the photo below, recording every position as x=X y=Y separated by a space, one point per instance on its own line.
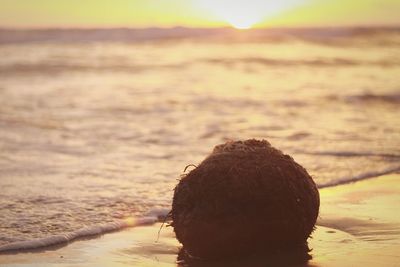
x=46 y=67
x=362 y=176
x=348 y=154
x=65 y=35
x=367 y=98
x=317 y=62
x=151 y=218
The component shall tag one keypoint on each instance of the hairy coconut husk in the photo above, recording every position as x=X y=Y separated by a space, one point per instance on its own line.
x=245 y=197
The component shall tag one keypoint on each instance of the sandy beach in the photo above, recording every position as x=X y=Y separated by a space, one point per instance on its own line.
x=248 y=125
x=358 y=226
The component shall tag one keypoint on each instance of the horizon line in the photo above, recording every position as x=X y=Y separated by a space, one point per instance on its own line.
x=355 y=26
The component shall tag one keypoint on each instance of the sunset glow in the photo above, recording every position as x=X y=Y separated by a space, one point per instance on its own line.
x=243 y=14
x=196 y=13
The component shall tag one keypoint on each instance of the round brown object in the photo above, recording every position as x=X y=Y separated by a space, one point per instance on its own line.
x=245 y=197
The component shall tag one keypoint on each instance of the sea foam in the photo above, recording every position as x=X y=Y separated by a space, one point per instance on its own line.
x=84 y=232
x=362 y=176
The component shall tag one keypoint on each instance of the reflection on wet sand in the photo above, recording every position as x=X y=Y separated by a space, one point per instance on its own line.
x=298 y=256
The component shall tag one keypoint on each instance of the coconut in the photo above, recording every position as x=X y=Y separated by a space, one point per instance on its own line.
x=245 y=197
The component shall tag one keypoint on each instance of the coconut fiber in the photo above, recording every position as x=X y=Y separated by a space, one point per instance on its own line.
x=245 y=197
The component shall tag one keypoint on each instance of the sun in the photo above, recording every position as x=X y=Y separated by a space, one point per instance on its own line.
x=244 y=14
x=241 y=22
x=241 y=25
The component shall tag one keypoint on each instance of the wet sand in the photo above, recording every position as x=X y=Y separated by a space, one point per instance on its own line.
x=359 y=225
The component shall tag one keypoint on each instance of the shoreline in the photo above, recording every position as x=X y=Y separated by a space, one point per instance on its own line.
x=358 y=225
x=89 y=232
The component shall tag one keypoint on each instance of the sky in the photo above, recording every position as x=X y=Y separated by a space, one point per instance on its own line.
x=197 y=13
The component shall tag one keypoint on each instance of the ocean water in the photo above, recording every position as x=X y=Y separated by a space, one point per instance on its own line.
x=96 y=126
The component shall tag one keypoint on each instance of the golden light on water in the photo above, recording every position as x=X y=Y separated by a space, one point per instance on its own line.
x=130 y=221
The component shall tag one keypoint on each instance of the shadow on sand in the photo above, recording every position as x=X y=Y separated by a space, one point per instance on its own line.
x=294 y=257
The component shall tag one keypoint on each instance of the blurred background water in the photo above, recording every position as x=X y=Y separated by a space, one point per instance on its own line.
x=98 y=125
